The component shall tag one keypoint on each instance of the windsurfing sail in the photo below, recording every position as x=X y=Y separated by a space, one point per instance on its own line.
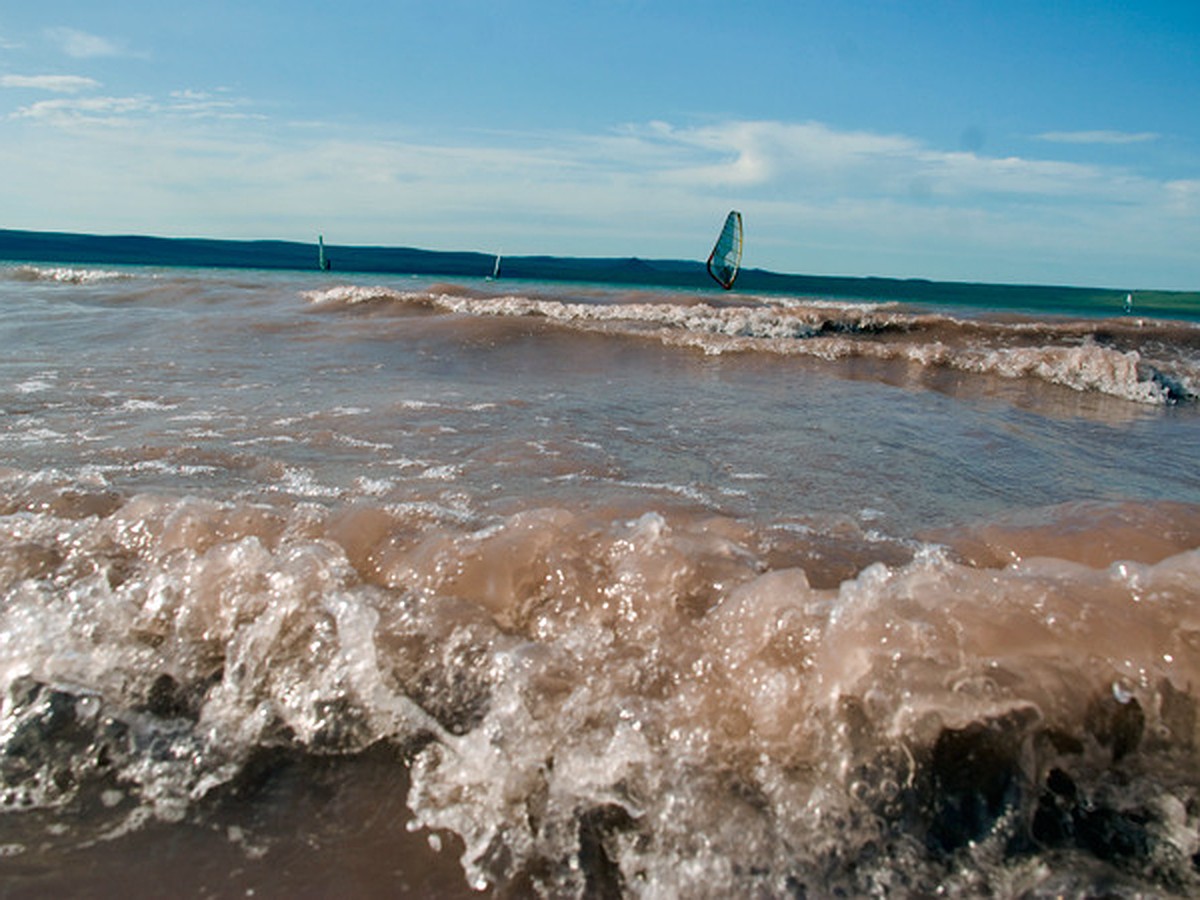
x=496 y=267
x=726 y=257
x=322 y=259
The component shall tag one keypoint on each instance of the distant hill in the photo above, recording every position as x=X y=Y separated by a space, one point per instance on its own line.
x=56 y=247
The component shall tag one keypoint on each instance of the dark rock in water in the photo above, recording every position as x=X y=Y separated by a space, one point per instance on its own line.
x=167 y=699
x=1177 y=710
x=1112 y=834
x=58 y=737
x=976 y=778
x=1053 y=818
x=1116 y=725
x=1067 y=817
x=1172 y=387
x=262 y=771
x=61 y=739
x=601 y=874
x=979 y=783
x=46 y=717
x=1061 y=784
x=1059 y=743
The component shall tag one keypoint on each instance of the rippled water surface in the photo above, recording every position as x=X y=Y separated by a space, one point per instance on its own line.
x=397 y=587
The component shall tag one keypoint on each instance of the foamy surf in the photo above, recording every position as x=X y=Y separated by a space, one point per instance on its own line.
x=595 y=704
x=63 y=274
x=1082 y=356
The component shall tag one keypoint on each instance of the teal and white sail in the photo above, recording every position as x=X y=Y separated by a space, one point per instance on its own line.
x=322 y=259
x=726 y=257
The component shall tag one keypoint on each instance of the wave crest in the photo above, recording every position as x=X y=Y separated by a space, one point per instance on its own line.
x=597 y=704
x=66 y=274
x=1146 y=362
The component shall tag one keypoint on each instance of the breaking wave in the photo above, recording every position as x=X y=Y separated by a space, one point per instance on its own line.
x=662 y=705
x=64 y=274
x=1144 y=361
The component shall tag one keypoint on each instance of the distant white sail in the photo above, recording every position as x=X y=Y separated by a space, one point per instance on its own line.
x=726 y=257
x=322 y=259
x=496 y=267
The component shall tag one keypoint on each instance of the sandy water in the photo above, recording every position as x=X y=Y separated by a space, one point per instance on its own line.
x=379 y=586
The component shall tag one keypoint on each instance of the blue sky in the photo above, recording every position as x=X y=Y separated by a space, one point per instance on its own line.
x=1019 y=142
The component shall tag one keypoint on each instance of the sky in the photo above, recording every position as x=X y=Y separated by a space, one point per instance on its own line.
x=971 y=140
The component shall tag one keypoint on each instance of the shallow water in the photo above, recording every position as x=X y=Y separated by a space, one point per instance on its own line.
x=585 y=591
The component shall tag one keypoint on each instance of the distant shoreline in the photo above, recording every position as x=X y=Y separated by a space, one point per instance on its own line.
x=62 y=247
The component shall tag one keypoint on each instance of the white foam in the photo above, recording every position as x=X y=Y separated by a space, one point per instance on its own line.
x=688 y=491
x=68 y=274
x=447 y=472
x=141 y=405
x=351 y=441
x=36 y=435
x=303 y=483
x=835 y=330
x=374 y=487
x=349 y=294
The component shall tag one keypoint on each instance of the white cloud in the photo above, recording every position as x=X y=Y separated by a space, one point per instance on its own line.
x=110 y=111
x=1183 y=196
x=759 y=152
x=1098 y=137
x=819 y=162
x=60 y=84
x=91 y=110
x=82 y=45
x=200 y=104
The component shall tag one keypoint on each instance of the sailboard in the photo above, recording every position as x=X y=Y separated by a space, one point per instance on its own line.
x=496 y=269
x=726 y=257
x=322 y=259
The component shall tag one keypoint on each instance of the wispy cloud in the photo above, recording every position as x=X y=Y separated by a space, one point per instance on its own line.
x=1098 y=137
x=117 y=111
x=59 y=84
x=817 y=161
x=1183 y=196
x=750 y=153
x=83 y=45
x=205 y=104
x=94 y=110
